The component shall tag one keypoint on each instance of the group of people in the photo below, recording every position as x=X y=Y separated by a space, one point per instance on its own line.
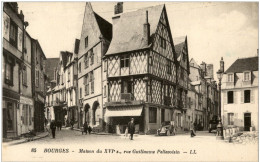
x=86 y=128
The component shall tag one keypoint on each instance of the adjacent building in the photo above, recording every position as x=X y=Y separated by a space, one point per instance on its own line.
x=38 y=84
x=95 y=38
x=239 y=94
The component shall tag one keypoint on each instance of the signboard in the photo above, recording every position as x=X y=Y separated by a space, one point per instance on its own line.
x=25 y=100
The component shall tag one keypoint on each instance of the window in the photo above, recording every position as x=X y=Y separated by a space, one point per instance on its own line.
x=162 y=115
x=230 y=118
x=37 y=78
x=86 y=85
x=230 y=97
x=247 y=96
x=105 y=66
x=80 y=67
x=247 y=76
x=124 y=61
x=10 y=116
x=86 y=42
x=230 y=77
x=150 y=60
x=24 y=76
x=8 y=69
x=152 y=115
x=126 y=87
x=91 y=57
x=68 y=74
x=105 y=90
x=169 y=69
x=179 y=120
x=190 y=101
x=86 y=60
x=25 y=116
x=80 y=93
x=162 y=42
x=91 y=77
x=13 y=33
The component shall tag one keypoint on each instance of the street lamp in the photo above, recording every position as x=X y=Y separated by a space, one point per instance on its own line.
x=220 y=126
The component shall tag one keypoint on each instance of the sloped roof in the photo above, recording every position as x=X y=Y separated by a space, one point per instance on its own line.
x=193 y=63
x=50 y=65
x=179 y=44
x=244 y=64
x=65 y=57
x=104 y=26
x=128 y=31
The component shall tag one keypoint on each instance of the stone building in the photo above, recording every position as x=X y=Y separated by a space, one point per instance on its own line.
x=239 y=94
x=38 y=84
x=12 y=62
x=95 y=38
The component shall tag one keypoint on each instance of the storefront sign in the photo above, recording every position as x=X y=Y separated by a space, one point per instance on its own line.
x=27 y=101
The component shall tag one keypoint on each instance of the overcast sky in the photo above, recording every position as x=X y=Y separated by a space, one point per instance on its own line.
x=217 y=29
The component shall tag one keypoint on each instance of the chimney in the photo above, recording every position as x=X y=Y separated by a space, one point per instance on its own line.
x=210 y=72
x=21 y=15
x=118 y=10
x=76 y=47
x=203 y=68
x=146 y=30
x=257 y=52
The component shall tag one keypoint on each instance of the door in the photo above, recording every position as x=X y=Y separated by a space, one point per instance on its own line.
x=4 y=123
x=247 y=121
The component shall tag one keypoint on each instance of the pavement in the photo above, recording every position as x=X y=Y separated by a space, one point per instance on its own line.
x=21 y=140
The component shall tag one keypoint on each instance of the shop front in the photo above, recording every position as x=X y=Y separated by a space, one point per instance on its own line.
x=119 y=116
x=25 y=114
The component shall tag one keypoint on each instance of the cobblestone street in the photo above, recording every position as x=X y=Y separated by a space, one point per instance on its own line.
x=176 y=148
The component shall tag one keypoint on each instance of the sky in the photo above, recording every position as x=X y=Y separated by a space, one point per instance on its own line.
x=213 y=29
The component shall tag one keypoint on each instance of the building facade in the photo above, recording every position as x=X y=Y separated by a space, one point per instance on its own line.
x=239 y=94
x=13 y=43
x=95 y=38
x=183 y=71
x=38 y=84
x=141 y=70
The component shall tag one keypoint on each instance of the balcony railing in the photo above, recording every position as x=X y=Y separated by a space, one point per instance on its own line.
x=126 y=97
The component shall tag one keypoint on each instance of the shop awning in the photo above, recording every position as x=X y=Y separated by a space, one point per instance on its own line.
x=124 y=111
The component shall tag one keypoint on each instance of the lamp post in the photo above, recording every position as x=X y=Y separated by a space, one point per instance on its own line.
x=220 y=126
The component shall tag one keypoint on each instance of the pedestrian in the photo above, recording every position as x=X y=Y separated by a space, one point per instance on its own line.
x=59 y=124
x=131 y=128
x=192 y=133
x=53 y=128
x=72 y=123
x=85 y=128
x=89 y=129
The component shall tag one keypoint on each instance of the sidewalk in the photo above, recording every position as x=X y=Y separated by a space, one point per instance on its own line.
x=24 y=140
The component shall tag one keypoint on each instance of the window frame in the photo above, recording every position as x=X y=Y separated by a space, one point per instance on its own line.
x=153 y=115
x=24 y=75
x=86 y=41
x=169 y=67
x=244 y=75
x=13 y=42
x=125 y=60
x=246 y=100
x=231 y=120
x=229 y=102
x=232 y=77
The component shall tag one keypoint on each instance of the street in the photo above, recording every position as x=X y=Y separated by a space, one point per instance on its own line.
x=72 y=145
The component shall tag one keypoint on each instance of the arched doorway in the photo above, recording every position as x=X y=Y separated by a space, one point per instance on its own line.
x=95 y=119
x=86 y=113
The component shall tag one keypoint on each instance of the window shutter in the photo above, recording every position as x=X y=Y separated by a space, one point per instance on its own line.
x=250 y=75
x=235 y=97
x=242 y=96
x=225 y=97
x=252 y=96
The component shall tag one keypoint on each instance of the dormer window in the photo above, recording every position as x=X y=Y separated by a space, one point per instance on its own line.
x=124 y=61
x=247 y=76
x=230 y=78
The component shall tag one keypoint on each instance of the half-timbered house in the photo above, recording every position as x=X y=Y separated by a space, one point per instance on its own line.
x=141 y=71
x=183 y=71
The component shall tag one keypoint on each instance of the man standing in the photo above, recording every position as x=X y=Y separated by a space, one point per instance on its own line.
x=53 y=128
x=131 y=128
x=192 y=134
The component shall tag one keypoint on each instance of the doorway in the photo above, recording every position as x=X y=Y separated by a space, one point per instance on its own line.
x=247 y=121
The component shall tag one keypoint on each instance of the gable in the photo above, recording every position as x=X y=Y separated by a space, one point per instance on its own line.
x=163 y=32
x=90 y=29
